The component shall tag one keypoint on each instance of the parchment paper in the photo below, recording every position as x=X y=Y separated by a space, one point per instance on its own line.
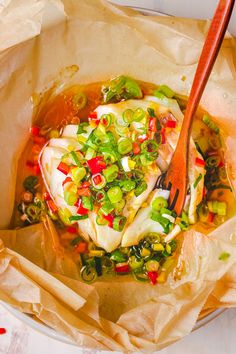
x=38 y=40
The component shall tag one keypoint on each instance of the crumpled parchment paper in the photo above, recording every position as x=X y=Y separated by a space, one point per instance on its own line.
x=38 y=40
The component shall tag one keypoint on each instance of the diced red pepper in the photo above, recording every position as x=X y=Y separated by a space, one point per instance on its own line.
x=29 y=164
x=171 y=124
x=81 y=247
x=36 y=169
x=163 y=136
x=72 y=229
x=97 y=179
x=211 y=217
x=153 y=124
x=34 y=130
x=41 y=140
x=86 y=184
x=81 y=210
x=221 y=164
x=153 y=277
x=200 y=162
x=96 y=165
x=136 y=148
x=68 y=179
x=64 y=168
x=93 y=115
x=110 y=219
x=142 y=138
x=84 y=192
x=46 y=196
x=122 y=269
x=204 y=192
x=52 y=206
x=3 y=330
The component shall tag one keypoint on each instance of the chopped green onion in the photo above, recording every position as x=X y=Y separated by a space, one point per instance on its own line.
x=106 y=119
x=128 y=185
x=70 y=197
x=109 y=156
x=146 y=159
x=135 y=263
x=100 y=196
x=119 y=223
x=164 y=222
x=87 y=202
x=198 y=179
x=224 y=256
x=159 y=95
x=128 y=115
x=81 y=127
x=88 y=274
x=119 y=206
x=79 y=101
x=118 y=256
x=111 y=173
x=207 y=120
x=138 y=115
x=106 y=208
x=212 y=161
x=78 y=173
x=115 y=194
x=166 y=90
x=90 y=154
x=100 y=220
x=159 y=203
x=30 y=183
x=75 y=158
x=140 y=188
x=78 y=217
x=152 y=265
x=149 y=146
x=98 y=181
x=125 y=146
x=64 y=215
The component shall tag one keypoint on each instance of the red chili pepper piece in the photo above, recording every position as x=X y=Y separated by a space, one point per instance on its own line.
x=64 y=168
x=81 y=210
x=84 y=192
x=3 y=330
x=93 y=115
x=72 y=229
x=81 y=247
x=96 y=165
x=163 y=136
x=68 y=179
x=136 y=148
x=46 y=196
x=153 y=124
x=36 y=169
x=221 y=164
x=30 y=164
x=110 y=219
x=52 y=206
x=211 y=217
x=122 y=269
x=171 y=124
x=153 y=277
x=200 y=162
x=97 y=179
x=34 y=130
x=41 y=140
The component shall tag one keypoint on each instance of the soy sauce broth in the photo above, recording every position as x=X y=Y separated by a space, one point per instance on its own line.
x=60 y=110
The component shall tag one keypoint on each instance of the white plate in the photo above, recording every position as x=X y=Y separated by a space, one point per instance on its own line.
x=27 y=319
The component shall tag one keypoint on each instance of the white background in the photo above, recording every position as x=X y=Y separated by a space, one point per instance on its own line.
x=218 y=337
